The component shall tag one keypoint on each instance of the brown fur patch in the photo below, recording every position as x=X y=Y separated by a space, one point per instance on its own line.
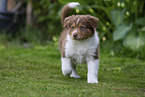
x=84 y=24
x=65 y=11
x=97 y=52
x=62 y=41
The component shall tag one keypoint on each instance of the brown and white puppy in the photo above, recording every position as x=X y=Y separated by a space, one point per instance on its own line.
x=79 y=43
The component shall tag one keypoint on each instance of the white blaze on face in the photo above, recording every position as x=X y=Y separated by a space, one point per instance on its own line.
x=74 y=32
x=78 y=21
x=76 y=28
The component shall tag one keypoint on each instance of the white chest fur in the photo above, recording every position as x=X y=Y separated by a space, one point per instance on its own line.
x=81 y=50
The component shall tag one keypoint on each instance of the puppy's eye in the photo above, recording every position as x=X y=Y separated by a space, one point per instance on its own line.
x=82 y=27
x=72 y=27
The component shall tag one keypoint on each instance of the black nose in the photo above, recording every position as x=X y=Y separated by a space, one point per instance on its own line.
x=75 y=34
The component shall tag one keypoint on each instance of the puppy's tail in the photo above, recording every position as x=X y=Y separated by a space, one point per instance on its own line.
x=66 y=9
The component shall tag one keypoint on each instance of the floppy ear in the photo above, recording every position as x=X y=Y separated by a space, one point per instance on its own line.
x=67 y=21
x=93 y=21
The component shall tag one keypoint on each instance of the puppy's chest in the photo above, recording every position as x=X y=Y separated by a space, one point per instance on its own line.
x=79 y=54
x=80 y=50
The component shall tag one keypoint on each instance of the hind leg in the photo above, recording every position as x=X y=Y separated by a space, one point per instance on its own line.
x=74 y=71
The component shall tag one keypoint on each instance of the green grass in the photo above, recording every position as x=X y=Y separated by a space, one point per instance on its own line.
x=36 y=71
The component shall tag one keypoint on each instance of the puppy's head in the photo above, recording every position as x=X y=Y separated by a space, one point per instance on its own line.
x=81 y=26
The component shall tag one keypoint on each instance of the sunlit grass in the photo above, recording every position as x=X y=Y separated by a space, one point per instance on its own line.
x=36 y=71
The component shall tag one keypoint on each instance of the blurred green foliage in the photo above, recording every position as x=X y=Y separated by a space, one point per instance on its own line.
x=121 y=23
x=46 y=18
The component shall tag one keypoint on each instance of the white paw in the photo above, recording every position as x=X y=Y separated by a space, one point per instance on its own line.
x=66 y=72
x=92 y=81
x=75 y=76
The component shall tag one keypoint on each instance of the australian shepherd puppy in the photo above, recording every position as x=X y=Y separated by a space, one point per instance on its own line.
x=79 y=43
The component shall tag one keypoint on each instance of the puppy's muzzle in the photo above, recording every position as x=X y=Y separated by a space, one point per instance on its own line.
x=75 y=36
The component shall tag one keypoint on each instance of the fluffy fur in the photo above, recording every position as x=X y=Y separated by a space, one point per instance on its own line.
x=79 y=43
x=82 y=50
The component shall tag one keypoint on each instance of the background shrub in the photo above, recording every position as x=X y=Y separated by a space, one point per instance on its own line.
x=121 y=23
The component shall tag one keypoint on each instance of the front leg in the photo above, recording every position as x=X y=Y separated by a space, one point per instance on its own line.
x=93 y=67
x=66 y=66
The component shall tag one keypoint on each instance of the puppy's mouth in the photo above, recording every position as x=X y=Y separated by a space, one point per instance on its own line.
x=76 y=38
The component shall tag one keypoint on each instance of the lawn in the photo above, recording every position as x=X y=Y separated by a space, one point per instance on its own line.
x=36 y=71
